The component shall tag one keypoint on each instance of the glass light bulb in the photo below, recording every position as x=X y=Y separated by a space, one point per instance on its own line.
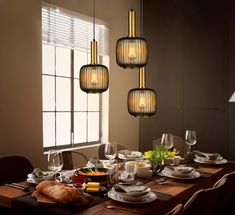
x=94 y=79
x=142 y=103
x=132 y=51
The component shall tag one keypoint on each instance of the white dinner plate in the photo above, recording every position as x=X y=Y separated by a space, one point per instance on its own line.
x=193 y=175
x=150 y=197
x=206 y=161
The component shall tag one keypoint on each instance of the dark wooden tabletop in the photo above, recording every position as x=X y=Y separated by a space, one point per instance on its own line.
x=179 y=190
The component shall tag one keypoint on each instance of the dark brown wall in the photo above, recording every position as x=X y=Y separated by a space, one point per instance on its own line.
x=192 y=44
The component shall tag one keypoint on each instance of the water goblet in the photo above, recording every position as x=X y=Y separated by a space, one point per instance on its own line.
x=55 y=162
x=130 y=168
x=167 y=140
x=110 y=151
x=190 y=138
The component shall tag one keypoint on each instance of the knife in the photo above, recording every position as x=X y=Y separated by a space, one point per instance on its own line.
x=20 y=187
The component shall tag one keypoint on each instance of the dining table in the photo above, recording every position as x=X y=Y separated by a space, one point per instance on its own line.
x=169 y=193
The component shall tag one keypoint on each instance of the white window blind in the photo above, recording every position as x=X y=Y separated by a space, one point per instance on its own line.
x=61 y=27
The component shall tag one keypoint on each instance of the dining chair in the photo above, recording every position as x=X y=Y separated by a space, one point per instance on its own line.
x=14 y=168
x=177 y=210
x=100 y=150
x=73 y=159
x=178 y=142
x=227 y=197
x=204 y=201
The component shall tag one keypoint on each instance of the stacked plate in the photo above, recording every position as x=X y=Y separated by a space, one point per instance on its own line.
x=209 y=158
x=38 y=175
x=180 y=172
x=130 y=155
x=134 y=194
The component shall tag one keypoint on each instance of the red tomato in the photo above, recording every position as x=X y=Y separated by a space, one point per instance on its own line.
x=78 y=178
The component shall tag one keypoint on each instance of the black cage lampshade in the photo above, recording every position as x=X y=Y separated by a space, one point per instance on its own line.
x=142 y=101
x=131 y=51
x=94 y=77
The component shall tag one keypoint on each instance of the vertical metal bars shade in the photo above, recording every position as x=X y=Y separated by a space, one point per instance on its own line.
x=142 y=101
x=131 y=51
x=94 y=77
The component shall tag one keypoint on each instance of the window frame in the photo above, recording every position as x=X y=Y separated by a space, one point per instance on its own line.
x=72 y=112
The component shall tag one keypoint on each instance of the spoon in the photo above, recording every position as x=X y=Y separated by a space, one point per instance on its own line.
x=122 y=208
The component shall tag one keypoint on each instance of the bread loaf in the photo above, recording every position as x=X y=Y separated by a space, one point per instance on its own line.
x=60 y=193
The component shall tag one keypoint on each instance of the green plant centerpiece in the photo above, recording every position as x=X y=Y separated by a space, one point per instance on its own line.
x=158 y=155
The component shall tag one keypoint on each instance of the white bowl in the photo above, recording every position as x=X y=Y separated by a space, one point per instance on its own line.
x=132 y=198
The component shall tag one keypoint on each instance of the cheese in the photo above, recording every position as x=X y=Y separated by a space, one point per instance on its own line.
x=93 y=185
x=92 y=189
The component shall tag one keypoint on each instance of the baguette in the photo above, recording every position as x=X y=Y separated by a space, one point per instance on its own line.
x=60 y=193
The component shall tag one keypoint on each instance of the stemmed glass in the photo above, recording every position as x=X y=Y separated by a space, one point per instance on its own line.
x=110 y=151
x=167 y=140
x=130 y=168
x=55 y=162
x=190 y=138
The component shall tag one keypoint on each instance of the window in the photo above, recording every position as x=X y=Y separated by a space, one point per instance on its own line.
x=70 y=116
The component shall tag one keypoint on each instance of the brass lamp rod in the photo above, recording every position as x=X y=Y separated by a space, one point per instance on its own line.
x=93 y=52
x=131 y=23
x=142 y=77
x=93 y=42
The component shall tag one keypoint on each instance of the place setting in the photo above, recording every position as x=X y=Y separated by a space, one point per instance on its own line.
x=138 y=193
x=209 y=158
x=180 y=172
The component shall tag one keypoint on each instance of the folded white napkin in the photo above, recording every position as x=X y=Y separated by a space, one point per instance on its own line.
x=180 y=170
x=130 y=154
x=38 y=174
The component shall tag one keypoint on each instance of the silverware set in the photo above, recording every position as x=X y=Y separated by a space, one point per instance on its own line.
x=20 y=187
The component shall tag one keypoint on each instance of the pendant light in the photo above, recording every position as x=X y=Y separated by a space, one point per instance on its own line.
x=131 y=51
x=94 y=77
x=142 y=101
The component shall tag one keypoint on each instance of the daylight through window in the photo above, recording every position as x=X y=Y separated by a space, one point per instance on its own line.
x=70 y=116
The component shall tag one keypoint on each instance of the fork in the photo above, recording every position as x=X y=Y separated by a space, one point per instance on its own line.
x=121 y=208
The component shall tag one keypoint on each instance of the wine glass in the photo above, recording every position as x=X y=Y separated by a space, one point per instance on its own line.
x=167 y=140
x=190 y=138
x=130 y=168
x=110 y=151
x=55 y=162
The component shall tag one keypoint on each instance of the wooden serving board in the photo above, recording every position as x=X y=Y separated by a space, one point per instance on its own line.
x=43 y=200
